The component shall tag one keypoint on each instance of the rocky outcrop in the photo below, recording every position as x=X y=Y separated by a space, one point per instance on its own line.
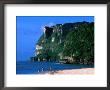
x=54 y=40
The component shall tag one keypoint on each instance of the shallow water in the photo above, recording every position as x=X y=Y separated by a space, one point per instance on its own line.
x=27 y=67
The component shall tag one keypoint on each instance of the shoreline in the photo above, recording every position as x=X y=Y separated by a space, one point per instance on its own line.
x=83 y=71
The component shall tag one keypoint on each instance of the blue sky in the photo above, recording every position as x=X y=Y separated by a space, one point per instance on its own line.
x=29 y=30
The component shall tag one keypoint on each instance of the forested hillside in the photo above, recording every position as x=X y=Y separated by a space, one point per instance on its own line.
x=68 y=43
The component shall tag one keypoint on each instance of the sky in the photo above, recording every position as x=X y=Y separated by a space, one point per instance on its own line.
x=30 y=28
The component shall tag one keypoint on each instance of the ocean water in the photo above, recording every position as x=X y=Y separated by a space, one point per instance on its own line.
x=27 y=67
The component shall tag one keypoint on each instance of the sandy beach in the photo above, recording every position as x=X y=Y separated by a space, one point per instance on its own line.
x=83 y=71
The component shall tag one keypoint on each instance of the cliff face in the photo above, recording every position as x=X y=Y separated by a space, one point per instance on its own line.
x=58 y=40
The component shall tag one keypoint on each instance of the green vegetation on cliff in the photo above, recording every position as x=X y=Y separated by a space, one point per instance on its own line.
x=69 y=42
